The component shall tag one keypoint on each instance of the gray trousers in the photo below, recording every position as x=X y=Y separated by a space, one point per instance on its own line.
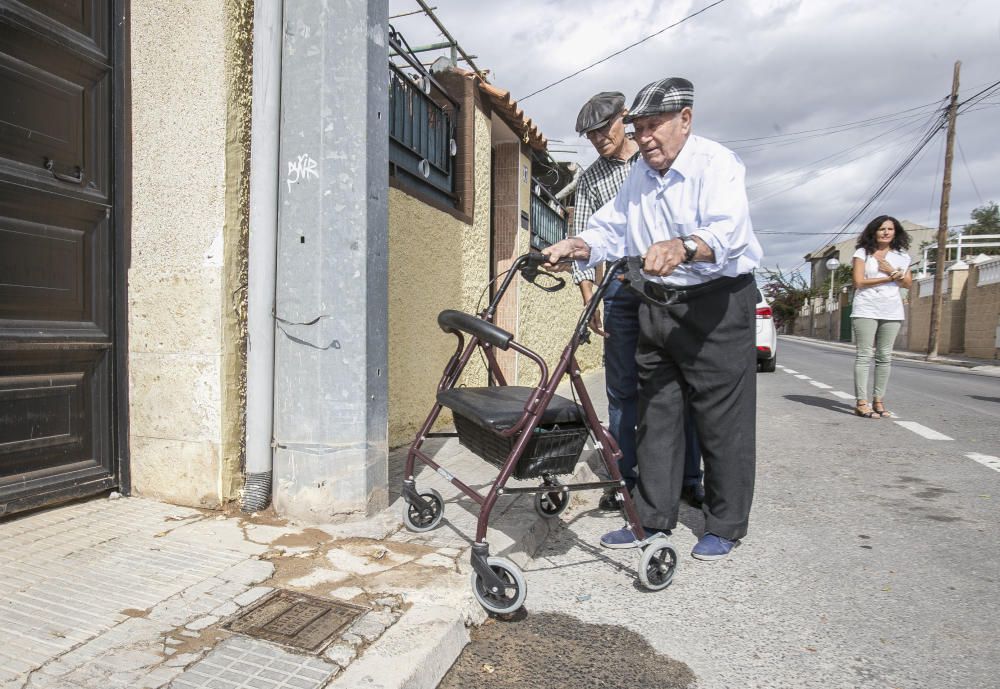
x=706 y=346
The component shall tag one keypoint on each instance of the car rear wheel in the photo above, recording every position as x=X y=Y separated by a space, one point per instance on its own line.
x=768 y=365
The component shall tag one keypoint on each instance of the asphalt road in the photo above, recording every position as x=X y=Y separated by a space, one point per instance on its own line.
x=871 y=559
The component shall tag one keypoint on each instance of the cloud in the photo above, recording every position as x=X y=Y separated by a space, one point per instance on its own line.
x=761 y=69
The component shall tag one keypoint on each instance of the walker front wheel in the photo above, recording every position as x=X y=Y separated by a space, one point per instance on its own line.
x=420 y=518
x=507 y=598
x=657 y=565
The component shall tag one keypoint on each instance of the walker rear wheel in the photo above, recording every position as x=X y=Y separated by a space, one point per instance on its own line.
x=551 y=505
x=657 y=565
x=508 y=598
x=420 y=518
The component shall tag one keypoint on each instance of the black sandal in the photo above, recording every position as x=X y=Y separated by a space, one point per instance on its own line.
x=862 y=409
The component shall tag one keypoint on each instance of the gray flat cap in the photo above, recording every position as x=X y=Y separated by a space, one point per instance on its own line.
x=597 y=111
x=667 y=95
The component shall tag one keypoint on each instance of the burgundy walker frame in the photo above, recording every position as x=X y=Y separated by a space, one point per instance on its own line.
x=657 y=564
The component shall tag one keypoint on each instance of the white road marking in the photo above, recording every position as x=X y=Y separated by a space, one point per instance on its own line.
x=803 y=377
x=788 y=370
x=986 y=460
x=779 y=365
x=821 y=386
x=923 y=431
x=841 y=395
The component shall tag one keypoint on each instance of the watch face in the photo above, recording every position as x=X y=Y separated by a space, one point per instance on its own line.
x=690 y=248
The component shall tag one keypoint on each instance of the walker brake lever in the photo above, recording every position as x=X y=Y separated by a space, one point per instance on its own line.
x=637 y=282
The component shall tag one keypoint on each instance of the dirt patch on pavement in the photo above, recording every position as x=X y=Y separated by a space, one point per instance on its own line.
x=307 y=538
x=548 y=650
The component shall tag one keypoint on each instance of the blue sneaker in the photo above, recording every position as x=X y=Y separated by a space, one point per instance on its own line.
x=712 y=547
x=624 y=538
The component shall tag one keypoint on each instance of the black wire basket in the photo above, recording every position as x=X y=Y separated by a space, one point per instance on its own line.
x=551 y=450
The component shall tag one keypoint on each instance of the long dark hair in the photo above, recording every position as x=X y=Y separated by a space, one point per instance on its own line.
x=868 y=242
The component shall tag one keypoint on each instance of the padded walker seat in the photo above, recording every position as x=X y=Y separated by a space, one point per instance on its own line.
x=501 y=407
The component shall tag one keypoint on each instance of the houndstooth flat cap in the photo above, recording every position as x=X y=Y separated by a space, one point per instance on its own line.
x=667 y=95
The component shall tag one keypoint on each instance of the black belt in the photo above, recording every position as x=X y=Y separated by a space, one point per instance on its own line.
x=664 y=295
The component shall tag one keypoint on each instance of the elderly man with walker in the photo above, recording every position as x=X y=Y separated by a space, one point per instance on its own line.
x=601 y=121
x=684 y=209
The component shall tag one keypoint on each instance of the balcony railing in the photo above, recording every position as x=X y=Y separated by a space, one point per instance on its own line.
x=421 y=134
x=421 y=126
x=548 y=218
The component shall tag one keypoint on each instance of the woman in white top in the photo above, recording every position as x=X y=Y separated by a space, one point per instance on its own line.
x=880 y=267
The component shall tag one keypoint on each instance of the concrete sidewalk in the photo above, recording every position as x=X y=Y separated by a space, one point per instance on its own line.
x=984 y=366
x=130 y=592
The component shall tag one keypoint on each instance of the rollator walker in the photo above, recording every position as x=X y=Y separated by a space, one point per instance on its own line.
x=527 y=433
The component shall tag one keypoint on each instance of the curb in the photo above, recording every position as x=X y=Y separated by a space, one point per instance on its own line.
x=420 y=648
x=984 y=366
x=415 y=653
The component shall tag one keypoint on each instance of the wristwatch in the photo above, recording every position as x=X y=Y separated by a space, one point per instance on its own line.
x=690 y=248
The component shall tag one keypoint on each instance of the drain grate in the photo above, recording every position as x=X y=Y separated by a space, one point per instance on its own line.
x=295 y=619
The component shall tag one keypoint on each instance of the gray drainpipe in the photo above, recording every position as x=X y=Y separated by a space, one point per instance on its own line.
x=265 y=114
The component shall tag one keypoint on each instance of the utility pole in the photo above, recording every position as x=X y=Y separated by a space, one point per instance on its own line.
x=937 y=302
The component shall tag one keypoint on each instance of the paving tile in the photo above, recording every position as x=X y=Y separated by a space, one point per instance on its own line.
x=243 y=663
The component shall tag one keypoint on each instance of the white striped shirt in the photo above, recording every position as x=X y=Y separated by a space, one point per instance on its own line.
x=703 y=194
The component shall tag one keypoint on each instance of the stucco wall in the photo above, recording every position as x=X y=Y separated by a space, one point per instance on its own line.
x=184 y=323
x=436 y=262
x=425 y=277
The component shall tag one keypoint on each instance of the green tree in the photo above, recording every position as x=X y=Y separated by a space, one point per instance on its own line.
x=845 y=278
x=787 y=294
x=985 y=220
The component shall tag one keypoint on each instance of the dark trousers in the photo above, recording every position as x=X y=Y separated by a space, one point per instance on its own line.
x=704 y=346
x=621 y=380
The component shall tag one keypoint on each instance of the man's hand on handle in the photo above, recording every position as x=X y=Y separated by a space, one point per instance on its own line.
x=663 y=257
x=573 y=247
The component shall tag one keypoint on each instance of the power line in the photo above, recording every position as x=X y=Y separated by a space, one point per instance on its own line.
x=985 y=93
x=927 y=137
x=619 y=52
x=820 y=234
x=778 y=178
x=936 y=179
x=910 y=157
x=769 y=145
x=866 y=122
x=967 y=170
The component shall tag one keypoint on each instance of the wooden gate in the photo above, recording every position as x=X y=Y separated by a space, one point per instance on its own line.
x=60 y=250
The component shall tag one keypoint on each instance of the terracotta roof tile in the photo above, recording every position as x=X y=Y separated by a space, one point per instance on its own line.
x=508 y=110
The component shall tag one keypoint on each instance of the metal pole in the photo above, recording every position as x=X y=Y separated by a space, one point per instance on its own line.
x=262 y=253
x=937 y=302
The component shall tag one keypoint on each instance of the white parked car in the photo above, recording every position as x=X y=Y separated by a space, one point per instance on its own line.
x=767 y=336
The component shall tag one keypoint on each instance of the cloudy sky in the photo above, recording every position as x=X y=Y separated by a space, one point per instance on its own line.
x=821 y=98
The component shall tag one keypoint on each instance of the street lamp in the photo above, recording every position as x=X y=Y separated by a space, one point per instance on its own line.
x=831 y=265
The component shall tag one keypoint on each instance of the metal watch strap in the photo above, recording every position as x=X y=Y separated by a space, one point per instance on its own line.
x=690 y=248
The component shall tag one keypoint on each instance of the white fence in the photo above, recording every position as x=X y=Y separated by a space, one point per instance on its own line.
x=989 y=272
x=966 y=245
x=926 y=286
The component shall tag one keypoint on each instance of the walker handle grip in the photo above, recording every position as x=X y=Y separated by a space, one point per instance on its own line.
x=452 y=321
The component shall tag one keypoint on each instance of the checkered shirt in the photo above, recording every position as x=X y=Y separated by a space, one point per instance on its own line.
x=598 y=184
